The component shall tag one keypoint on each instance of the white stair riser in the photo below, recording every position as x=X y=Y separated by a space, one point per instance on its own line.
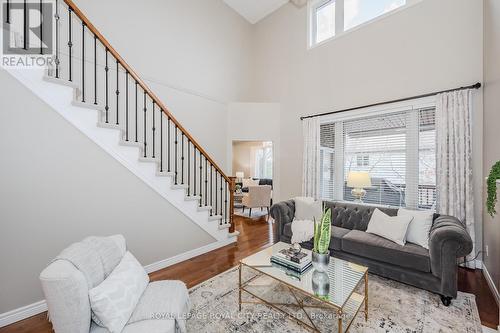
x=60 y=96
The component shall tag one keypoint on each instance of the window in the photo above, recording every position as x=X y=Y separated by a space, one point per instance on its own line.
x=264 y=161
x=334 y=17
x=397 y=149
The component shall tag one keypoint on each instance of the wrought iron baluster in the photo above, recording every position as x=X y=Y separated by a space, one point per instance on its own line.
x=136 y=107
x=189 y=166
x=221 y=184
x=225 y=202
x=201 y=178
x=168 y=144
x=154 y=129
x=83 y=62
x=194 y=171
x=145 y=120
x=126 y=106
x=182 y=158
x=211 y=192
x=106 y=69
x=70 y=45
x=117 y=92
x=7 y=20
x=206 y=182
x=25 y=25
x=161 y=140
x=175 y=154
x=57 y=17
x=215 y=190
x=95 y=70
x=41 y=27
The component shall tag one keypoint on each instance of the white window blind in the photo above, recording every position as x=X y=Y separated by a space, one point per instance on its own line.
x=397 y=150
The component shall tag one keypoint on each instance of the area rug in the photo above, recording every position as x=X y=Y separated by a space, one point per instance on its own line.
x=256 y=212
x=393 y=307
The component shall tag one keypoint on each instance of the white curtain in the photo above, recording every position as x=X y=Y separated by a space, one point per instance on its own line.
x=454 y=159
x=310 y=165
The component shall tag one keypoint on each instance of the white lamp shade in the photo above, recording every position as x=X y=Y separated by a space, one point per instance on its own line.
x=359 y=179
x=240 y=174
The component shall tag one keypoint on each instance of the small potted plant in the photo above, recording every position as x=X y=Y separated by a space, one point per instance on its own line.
x=322 y=234
x=238 y=188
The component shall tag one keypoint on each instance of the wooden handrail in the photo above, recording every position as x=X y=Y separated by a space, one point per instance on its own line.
x=143 y=85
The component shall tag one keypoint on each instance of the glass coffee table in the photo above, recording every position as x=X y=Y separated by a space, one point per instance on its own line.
x=321 y=301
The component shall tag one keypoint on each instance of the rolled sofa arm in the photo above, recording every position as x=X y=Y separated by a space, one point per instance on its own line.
x=448 y=240
x=282 y=213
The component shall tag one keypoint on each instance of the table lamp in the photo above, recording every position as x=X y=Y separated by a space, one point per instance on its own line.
x=358 y=180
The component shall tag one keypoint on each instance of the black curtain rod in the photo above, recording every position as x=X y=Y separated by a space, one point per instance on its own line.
x=474 y=86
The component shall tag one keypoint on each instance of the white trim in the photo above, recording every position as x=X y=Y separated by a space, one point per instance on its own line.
x=30 y=310
x=491 y=284
x=156 y=266
x=24 y=312
x=338 y=34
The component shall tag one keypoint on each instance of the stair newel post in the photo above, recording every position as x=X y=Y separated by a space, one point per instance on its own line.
x=232 y=186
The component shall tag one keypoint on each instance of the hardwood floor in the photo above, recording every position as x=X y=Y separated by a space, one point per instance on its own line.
x=254 y=236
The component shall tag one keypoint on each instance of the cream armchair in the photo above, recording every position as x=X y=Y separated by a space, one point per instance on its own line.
x=257 y=196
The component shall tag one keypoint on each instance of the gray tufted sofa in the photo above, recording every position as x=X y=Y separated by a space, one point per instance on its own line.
x=434 y=269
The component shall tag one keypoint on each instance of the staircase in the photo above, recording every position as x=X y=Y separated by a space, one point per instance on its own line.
x=93 y=88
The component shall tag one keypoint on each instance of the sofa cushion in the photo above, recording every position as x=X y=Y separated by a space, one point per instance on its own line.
x=337 y=234
x=354 y=216
x=377 y=248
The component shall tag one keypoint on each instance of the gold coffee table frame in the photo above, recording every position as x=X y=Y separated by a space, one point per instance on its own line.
x=323 y=304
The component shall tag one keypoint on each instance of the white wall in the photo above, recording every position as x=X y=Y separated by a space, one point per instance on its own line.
x=194 y=54
x=57 y=187
x=257 y=122
x=431 y=46
x=491 y=125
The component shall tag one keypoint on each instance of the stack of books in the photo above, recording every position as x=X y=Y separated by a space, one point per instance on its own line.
x=295 y=263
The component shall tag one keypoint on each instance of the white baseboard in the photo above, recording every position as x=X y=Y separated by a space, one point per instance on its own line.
x=30 y=310
x=491 y=284
x=156 y=266
x=27 y=311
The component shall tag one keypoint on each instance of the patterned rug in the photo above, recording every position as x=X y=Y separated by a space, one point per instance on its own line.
x=256 y=212
x=393 y=307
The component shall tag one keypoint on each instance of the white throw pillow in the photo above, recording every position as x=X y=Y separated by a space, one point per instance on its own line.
x=420 y=226
x=113 y=301
x=308 y=209
x=392 y=228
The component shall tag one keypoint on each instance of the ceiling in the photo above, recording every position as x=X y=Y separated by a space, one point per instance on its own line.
x=255 y=10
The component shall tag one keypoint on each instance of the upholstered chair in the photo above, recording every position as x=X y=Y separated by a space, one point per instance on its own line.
x=163 y=306
x=257 y=196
